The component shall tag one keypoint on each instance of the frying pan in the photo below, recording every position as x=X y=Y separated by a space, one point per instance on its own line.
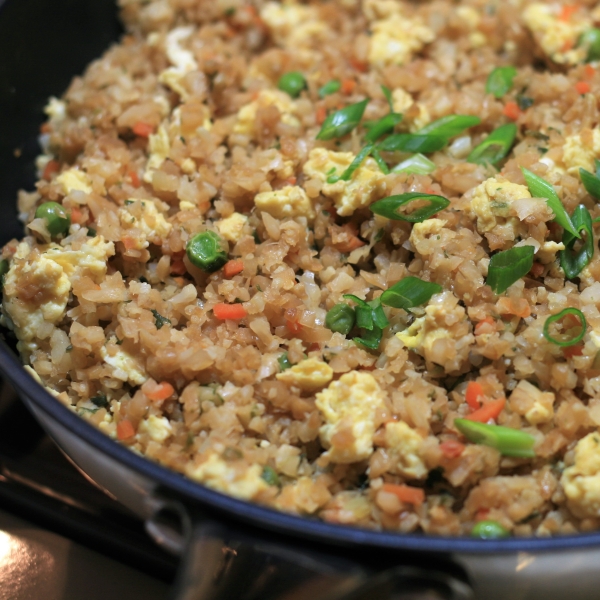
x=231 y=549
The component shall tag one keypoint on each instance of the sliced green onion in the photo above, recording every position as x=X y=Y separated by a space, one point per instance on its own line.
x=270 y=476
x=489 y=530
x=340 y=318
x=495 y=147
x=342 y=121
x=524 y=102
x=591 y=40
x=417 y=164
x=371 y=338
x=383 y=126
x=509 y=266
x=331 y=87
x=449 y=126
x=508 y=441
x=205 y=251
x=379 y=160
x=540 y=188
x=292 y=83
x=379 y=318
x=409 y=292
x=500 y=81
x=557 y=317
x=389 y=207
x=159 y=320
x=284 y=361
x=591 y=182
x=364 y=317
x=359 y=158
x=574 y=262
x=388 y=96
x=413 y=142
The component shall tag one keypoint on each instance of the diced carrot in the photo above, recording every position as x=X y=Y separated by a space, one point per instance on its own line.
x=537 y=269
x=348 y=86
x=452 y=448
x=76 y=215
x=52 y=166
x=178 y=266
x=224 y=311
x=488 y=411
x=582 y=87
x=487 y=325
x=512 y=110
x=125 y=430
x=129 y=242
x=514 y=306
x=567 y=11
x=321 y=115
x=482 y=514
x=359 y=65
x=589 y=71
x=142 y=129
x=233 y=267
x=158 y=391
x=405 y=493
x=135 y=180
x=474 y=390
x=576 y=350
x=45 y=128
x=568 y=45
x=293 y=326
x=352 y=244
x=292 y=180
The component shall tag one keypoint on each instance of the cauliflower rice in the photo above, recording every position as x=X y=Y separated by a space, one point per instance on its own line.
x=181 y=128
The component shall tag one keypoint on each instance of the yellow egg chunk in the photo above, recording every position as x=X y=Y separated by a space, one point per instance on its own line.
x=124 y=367
x=309 y=374
x=75 y=180
x=159 y=146
x=143 y=223
x=405 y=446
x=246 y=117
x=290 y=201
x=158 y=428
x=581 y=481
x=349 y=407
x=364 y=187
x=231 y=478
x=232 y=227
x=578 y=154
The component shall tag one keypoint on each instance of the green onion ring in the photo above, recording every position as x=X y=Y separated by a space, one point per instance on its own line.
x=552 y=319
x=388 y=207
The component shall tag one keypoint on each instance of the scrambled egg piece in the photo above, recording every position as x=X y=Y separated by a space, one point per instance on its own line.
x=443 y=336
x=158 y=428
x=183 y=60
x=576 y=154
x=56 y=109
x=349 y=407
x=535 y=405
x=124 y=366
x=231 y=228
x=547 y=252
x=290 y=201
x=491 y=202
x=581 y=482
x=309 y=374
x=159 y=147
x=227 y=477
x=37 y=285
x=419 y=236
x=364 y=187
x=557 y=37
x=246 y=117
x=401 y=100
x=293 y=25
x=143 y=223
x=75 y=180
x=396 y=38
x=405 y=447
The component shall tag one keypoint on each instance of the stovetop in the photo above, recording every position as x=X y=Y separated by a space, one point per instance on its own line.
x=58 y=532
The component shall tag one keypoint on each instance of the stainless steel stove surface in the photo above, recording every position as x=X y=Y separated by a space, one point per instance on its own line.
x=60 y=537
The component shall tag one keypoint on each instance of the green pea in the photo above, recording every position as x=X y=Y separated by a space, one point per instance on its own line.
x=292 y=83
x=56 y=217
x=284 y=362
x=591 y=40
x=205 y=251
x=340 y=318
x=489 y=530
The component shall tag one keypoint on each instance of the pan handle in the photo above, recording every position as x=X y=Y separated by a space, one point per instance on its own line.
x=220 y=562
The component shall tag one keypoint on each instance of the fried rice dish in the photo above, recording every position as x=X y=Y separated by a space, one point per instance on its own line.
x=337 y=258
